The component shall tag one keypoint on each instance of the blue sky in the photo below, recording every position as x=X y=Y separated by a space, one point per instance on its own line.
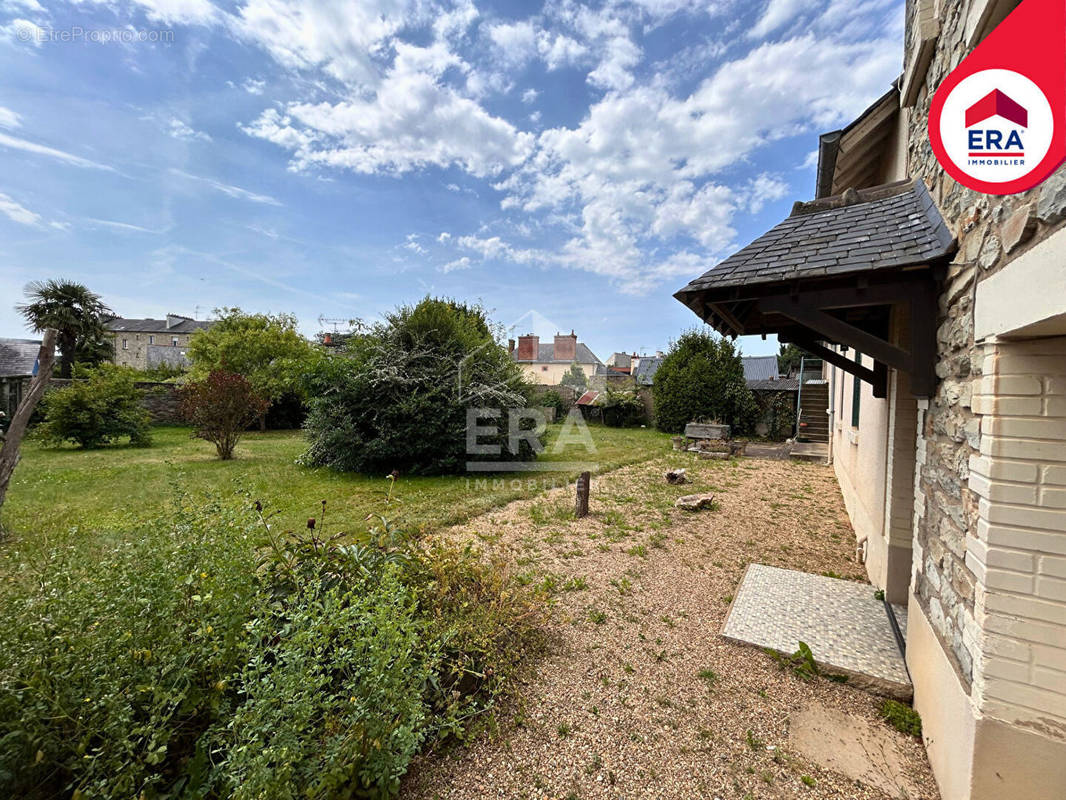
x=581 y=161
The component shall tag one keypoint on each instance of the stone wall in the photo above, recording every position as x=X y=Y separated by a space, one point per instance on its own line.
x=991 y=232
x=160 y=399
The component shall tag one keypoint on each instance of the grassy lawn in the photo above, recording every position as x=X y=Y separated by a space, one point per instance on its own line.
x=120 y=488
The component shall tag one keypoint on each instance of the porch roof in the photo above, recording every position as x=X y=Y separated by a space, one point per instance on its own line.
x=832 y=273
x=894 y=225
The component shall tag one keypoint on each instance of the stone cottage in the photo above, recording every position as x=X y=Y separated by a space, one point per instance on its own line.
x=146 y=343
x=940 y=314
x=18 y=365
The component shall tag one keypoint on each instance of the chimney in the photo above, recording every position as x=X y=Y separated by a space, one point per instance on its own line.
x=174 y=319
x=528 y=347
x=565 y=347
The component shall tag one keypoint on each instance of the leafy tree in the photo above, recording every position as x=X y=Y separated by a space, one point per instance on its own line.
x=98 y=410
x=76 y=314
x=702 y=376
x=221 y=407
x=621 y=409
x=789 y=358
x=575 y=377
x=267 y=349
x=400 y=396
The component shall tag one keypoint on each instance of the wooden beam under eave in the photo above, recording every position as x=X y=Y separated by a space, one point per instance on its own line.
x=834 y=329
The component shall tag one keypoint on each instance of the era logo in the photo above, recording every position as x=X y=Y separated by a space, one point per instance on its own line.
x=990 y=140
x=996 y=122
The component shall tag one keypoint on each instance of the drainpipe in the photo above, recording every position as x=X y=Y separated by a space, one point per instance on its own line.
x=832 y=410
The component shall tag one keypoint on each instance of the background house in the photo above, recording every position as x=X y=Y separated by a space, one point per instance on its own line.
x=545 y=364
x=18 y=364
x=146 y=343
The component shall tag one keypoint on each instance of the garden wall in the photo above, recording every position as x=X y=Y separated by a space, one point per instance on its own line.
x=160 y=400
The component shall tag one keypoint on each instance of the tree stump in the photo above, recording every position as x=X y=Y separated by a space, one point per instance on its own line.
x=581 y=506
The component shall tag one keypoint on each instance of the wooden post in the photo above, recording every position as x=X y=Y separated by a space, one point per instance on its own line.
x=9 y=450
x=581 y=508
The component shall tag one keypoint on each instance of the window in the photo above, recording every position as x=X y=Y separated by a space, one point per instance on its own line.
x=174 y=342
x=151 y=339
x=856 y=393
x=125 y=344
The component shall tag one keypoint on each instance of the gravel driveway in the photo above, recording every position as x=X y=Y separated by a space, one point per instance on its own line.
x=638 y=696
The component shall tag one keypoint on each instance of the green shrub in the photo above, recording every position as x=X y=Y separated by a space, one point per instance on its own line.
x=621 y=409
x=210 y=656
x=702 y=376
x=901 y=717
x=335 y=707
x=114 y=661
x=399 y=400
x=100 y=406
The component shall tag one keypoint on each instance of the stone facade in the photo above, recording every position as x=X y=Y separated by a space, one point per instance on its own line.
x=991 y=232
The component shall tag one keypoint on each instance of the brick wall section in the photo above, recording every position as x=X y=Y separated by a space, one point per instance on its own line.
x=991 y=232
x=1019 y=552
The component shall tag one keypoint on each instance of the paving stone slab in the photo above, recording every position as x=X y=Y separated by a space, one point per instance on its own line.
x=844 y=624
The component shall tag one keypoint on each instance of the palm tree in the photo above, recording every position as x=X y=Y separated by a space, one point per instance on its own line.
x=76 y=313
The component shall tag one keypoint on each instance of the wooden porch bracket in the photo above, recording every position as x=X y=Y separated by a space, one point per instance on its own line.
x=878 y=379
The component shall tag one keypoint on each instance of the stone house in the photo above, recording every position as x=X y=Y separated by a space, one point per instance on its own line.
x=18 y=364
x=940 y=314
x=146 y=343
x=545 y=364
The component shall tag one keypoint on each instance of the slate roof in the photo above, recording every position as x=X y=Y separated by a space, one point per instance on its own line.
x=779 y=385
x=18 y=357
x=121 y=324
x=885 y=226
x=758 y=368
x=644 y=374
x=546 y=353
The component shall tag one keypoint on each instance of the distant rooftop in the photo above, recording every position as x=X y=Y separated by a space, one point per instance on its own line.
x=174 y=323
x=18 y=357
x=760 y=368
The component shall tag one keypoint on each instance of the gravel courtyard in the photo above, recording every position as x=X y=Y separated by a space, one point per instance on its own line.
x=637 y=696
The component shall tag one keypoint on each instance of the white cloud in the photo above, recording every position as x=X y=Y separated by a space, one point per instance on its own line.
x=530 y=96
x=49 y=152
x=179 y=130
x=559 y=50
x=344 y=39
x=252 y=86
x=13 y=6
x=459 y=263
x=779 y=13
x=763 y=189
x=227 y=189
x=172 y=12
x=444 y=237
x=24 y=32
x=615 y=70
x=413 y=245
x=18 y=213
x=515 y=43
x=9 y=119
x=118 y=226
x=411 y=121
